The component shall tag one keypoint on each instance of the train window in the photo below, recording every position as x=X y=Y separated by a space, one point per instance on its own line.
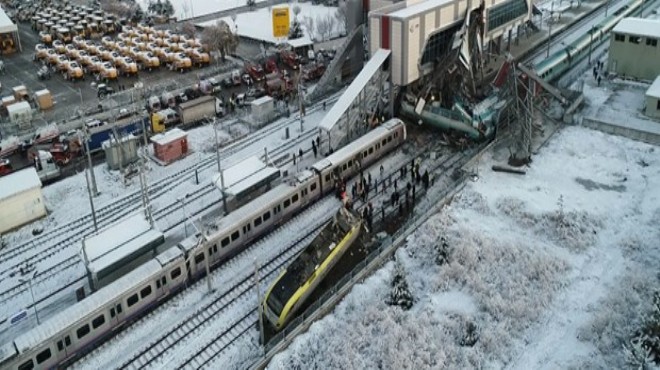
x=312 y=187
x=384 y=142
x=389 y=138
x=349 y=163
x=224 y=242
x=658 y=105
x=98 y=321
x=246 y=228
x=118 y=308
x=287 y=203
x=215 y=248
x=145 y=292
x=266 y=216
x=377 y=146
x=371 y=150
x=651 y=42
x=234 y=235
x=199 y=258
x=634 y=39
x=163 y=280
x=294 y=198
x=27 y=365
x=364 y=155
x=157 y=284
x=112 y=312
x=304 y=192
x=67 y=341
x=82 y=331
x=257 y=221
x=132 y=300
x=60 y=345
x=175 y=273
x=619 y=37
x=43 y=356
x=327 y=178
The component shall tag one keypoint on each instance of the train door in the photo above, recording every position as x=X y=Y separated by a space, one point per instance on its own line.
x=116 y=314
x=247 y=231
x=64 y=349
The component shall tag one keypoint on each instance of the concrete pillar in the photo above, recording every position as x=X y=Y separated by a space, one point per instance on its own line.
x=508 y=44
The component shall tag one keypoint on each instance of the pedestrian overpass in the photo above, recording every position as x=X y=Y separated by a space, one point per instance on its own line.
x=365 y=102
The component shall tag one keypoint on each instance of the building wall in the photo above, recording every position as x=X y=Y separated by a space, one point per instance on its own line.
x=652 y=107
x=21 y=209
x=408 y=37
x=629 y=59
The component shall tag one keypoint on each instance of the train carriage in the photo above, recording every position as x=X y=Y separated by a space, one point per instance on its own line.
x=78 y=328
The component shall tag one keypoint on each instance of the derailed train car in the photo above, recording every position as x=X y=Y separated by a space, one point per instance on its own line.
x=79 y=328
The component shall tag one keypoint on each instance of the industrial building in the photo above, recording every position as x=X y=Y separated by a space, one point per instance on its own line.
x=653 y=100
x=634 y=50
x=420 y=32
x=21 y=200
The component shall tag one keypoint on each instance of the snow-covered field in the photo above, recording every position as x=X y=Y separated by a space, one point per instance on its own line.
x=257 y=24
x=185 y=9
x=555 y=269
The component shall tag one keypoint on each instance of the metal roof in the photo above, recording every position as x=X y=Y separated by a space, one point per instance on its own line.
x=413 y=9
x=18 y=182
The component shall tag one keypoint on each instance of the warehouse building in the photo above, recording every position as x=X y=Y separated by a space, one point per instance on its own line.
x=21 y=201
x=653 y=100
x=420 y=32
x=634 y=50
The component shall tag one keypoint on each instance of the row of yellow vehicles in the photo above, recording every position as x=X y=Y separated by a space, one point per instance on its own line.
x=79 y=21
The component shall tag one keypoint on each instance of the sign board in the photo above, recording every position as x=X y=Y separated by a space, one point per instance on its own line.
x=281 y=22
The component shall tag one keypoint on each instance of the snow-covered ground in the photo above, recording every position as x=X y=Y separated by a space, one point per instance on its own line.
x=552 y=267
x=185 y=9
x=257 y=24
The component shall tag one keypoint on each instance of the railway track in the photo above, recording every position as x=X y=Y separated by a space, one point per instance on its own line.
x=74 y=232
x=225 y=300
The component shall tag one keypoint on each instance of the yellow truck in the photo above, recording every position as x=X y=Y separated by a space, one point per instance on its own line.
x=181 y=62
x=74 y=72
x=127 y=66
x=108 y=72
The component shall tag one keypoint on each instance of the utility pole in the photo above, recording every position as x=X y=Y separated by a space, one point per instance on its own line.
x=260 y=307
x=607 y=6
x=591 y=41
x=95 y=190
x=91 y=203
x=222 y=176
x=550 y=21
x=185 y=217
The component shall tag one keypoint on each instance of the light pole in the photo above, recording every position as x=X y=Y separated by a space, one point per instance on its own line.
x=185 y=217
x=550 y=21
x=607 y=5
x=591 y=41
x=222 y=176
x=91 y=202
x=34 y=302
x=95 y=190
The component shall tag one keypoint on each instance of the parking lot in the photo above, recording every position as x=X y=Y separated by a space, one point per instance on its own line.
x=71 y=97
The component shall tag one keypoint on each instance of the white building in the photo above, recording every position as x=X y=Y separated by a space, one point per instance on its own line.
x=634 y=50
x=21 y=201
x=418 y=32
x=653 y=100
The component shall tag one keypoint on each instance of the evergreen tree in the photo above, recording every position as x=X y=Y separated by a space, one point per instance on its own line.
x=442 y=250
x=295 y=32
x=400 y=294
x=470 y=334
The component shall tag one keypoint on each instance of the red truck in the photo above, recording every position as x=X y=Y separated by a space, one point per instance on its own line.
x=290 y=59
x=278 y=86
x=313 y=71
x=255 y=71
x=271 y=66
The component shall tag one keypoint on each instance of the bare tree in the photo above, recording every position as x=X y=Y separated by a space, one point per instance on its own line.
x=188 y=29
x=325 y=25
x=121 y=9
x=308 y=23
x=296 y=11
x=220 y=39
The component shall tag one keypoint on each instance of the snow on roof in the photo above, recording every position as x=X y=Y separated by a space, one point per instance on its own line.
x=654 y=90
x=638 y=27
x=251 y=180
x=169 y=136
x=414 y=8
x=6 y=25
x=264 y=99
x=241 y=170
x=123 y=236
x=79 y=311
x=300 y=42
x=18 y=107
x=42 y=92
x=355 y=88
x=18 y=182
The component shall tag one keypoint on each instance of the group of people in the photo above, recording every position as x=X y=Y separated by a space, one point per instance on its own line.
x=316 y=146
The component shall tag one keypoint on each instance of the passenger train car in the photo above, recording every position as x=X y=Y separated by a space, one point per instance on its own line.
x=77 y=329
x=558 y=63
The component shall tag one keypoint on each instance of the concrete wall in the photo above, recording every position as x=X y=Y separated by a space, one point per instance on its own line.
x=639 y=61
x=631 y=133
x=652 y=107
x=21 y=209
